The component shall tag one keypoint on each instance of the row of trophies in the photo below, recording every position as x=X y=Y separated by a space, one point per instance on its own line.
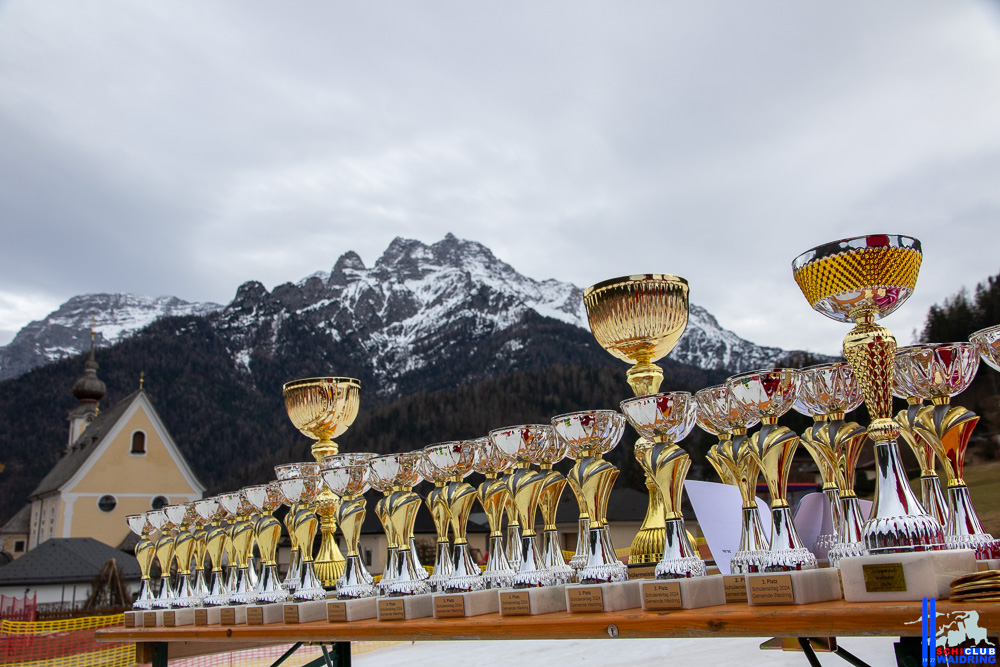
x=638 y=319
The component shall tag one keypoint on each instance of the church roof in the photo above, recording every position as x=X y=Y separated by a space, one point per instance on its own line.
x=67 y=560
x=19 y=524
x=84 y=446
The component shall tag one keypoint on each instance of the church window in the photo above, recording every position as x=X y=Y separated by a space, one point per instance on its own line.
x=107 y=503
x=138 y=443
x=159 y=502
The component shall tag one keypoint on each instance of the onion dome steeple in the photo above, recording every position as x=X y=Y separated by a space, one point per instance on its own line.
x=89 y=388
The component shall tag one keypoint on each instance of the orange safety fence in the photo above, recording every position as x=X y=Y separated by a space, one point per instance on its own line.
x=72 y=643
x=64 y=643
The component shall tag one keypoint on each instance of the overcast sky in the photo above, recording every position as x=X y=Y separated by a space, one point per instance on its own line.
x=184 y=148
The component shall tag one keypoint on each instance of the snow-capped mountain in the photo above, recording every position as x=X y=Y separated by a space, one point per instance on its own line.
x=419 y=304
x=66 y=331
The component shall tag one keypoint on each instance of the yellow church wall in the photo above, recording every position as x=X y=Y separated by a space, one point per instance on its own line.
x=154 y=473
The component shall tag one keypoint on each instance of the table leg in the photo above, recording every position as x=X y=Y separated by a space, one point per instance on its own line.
x=159 y=654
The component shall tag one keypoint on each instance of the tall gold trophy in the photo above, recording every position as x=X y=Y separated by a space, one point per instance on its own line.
x=640 y=319
x=164 y=556
x=322 y=409
x=494 y=496
x=860 y=280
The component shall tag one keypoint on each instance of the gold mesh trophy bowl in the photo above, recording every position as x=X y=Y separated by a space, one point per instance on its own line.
x=164 y=556
x=265 y=498
x=145 y=552
x=731 y=458
x=322 y=409
x=941 y=371
x=931 y=496
x=300 y=485
x=639 y=319
x=396 y=475
x=826 y=393
x=861 y=280
x=525 y=445
x=437 y=503
x=767 y=395
x=588 y=435
x=494 y=497
x=347 y=477
x=662 y=420
x=211 y=512
x=455 y=460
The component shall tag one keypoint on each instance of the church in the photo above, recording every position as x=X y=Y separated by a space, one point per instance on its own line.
x=117 y=462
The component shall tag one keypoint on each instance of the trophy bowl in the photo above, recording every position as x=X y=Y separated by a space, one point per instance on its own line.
x=322 y=409
x=988 y=343
x=873 y=274
x=490 y=459
x=452 y=459
x=717 y=414
x=664 y=417
x=639 y=319
x=941 y=370
x=523 y=444
x=764 y=394
x=589 y=432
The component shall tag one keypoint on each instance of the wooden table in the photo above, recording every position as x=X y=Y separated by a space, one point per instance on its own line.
x=827 y=619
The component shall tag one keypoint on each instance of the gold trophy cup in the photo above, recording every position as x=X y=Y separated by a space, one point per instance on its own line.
x=322 y=409
x=639 y=319
x=860 y=280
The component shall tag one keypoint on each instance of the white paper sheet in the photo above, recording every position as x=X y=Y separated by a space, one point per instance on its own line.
x=719 y=510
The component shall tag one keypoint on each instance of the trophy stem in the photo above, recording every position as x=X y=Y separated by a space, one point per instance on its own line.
x=826 y=542
x=293 y=578
x=267 y=531
x=680 y=561
x=644 y=377
x=145 y=552
x=218 y=595
x=270 y=589
x=647 y=546
x=402 y=507
x=898 y=521
x=601 y=565
x=964 y=530
x=851 y=542
x=438 y=505
x=753 y=543
x=595 y=477
x=932 y=498
x=465 y=575
x=530 y=573
x=329 y=562
x=310 y=587
x=498 y=572
x=355 y=581
x=553 y=560
x=786 y=552
x=579 y=560
x=164 y=555
x=418 y=567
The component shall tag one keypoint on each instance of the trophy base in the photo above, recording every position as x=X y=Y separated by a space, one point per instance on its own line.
x=304 y=612
x=801 y=587
x=133 y=619
x=460 y=605
x=232 y=615
x=216 y=600
x=309 y=594
x=903 y=534
x=404 y=608
x=680 y=568
x=692 y=593
x=177 y=617
x=984 y=544
x=532 y=601
x=560 y=574
x=906 y=576
x=842 y=550
x=345 y=611
x=602 y=597
x=265 y=614
x=271 y=597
